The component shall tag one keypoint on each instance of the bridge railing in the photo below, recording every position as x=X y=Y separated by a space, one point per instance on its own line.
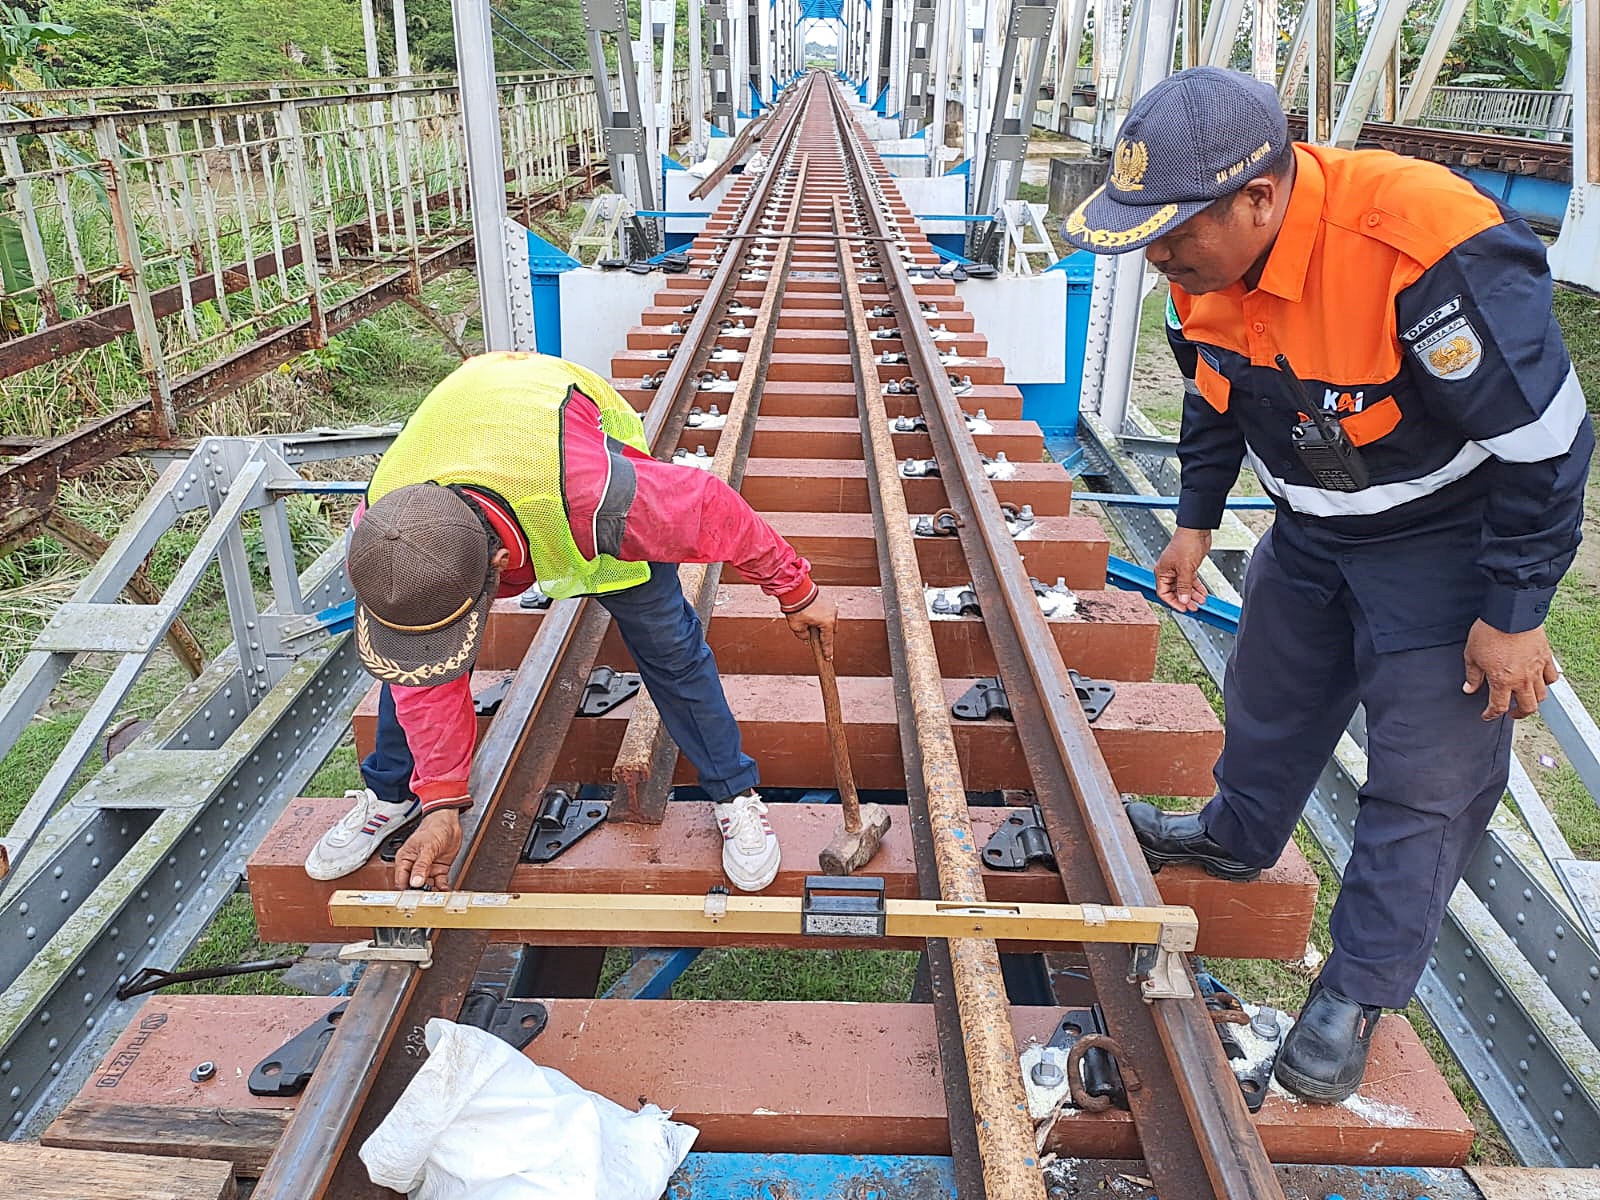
x=1511 y=112
x=198 y=236
x=59 y=101
x=1514 y=112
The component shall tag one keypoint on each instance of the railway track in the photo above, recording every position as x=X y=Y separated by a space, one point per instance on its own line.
x=815 y=256
x=1460 y=148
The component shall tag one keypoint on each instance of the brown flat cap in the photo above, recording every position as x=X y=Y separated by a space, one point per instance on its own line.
x=419 y=564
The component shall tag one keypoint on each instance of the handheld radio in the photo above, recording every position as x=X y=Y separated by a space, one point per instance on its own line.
x=1321 y=445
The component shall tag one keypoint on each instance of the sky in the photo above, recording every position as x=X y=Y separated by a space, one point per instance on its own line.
x=822 y=33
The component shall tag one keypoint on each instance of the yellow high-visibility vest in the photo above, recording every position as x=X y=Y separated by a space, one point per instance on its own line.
x=495 y=423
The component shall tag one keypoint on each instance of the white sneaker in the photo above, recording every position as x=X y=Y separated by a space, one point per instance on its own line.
x=749 y=847
x=357 y=835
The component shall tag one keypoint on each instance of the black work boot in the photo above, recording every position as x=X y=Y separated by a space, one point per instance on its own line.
x=1168 y=838
x=1325 y=1054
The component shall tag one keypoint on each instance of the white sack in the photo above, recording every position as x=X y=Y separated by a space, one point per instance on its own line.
x=481 y=1121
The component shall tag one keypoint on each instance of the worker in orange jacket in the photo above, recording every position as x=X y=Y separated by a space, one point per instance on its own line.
x=1428 y=477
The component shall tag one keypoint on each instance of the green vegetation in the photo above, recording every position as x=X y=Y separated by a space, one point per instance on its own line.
x=375 y=373
x=1511 y=43
x=130 y=42
x=860 y=976
x=229 y=939
x=124 y=43
x=26 y=44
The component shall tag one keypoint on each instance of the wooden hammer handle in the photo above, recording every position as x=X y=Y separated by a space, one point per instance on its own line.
x=836 y=740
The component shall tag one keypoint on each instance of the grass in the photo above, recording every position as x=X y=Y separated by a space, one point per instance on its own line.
x=231 y=938
x=863 y=976
x=30 y=758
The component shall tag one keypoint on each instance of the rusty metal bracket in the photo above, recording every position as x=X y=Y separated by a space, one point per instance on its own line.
x=1099 y=1073
x=987 y=698
x=943 y=523
x=956 y=602
x=535 y=599
x=389 y=848
x=560 y=822
x=1020 y=842
x=1018 y=520
x=606 y=689
x=1226 y=1011
x=1077 y=1076
x=486 y=703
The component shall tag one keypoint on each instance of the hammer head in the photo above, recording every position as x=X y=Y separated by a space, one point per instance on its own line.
x=849 y=852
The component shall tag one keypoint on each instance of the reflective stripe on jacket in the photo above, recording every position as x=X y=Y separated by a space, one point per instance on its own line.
x=1417 y=312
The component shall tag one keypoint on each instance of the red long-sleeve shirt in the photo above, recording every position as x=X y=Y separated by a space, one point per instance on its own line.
x=678 y=515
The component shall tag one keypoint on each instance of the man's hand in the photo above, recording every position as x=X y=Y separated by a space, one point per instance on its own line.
x=1178 y=570
x=822 y=614
x=429 y=851
x=1518 y=666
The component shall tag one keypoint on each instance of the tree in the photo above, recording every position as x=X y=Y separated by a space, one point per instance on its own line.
x=1512 y=43
x=274 y=39
x=130 y=42
x=26 y=44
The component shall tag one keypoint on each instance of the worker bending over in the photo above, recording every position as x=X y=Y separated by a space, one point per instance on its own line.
x=1429 y=491
x=521 y=469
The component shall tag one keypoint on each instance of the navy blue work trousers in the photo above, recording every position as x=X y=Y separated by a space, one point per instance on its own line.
x=1435 y=770
x=663 y=633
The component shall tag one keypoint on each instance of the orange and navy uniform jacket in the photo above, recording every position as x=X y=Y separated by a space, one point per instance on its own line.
x=1418 y=312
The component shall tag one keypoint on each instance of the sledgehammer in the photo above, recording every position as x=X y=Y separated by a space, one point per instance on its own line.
x=864 y=825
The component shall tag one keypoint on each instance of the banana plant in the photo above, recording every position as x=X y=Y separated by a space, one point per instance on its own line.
x=25 y=43
x=1513 y=43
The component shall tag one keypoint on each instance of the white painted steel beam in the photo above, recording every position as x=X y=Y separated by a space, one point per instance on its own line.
x=486 y=184
x=1375 y=58
x=939 y=56
x=1299 y=57
x=697 y=81
x=1445 y=23
x=1264 y=45
x=1119 y=281
x=1221 y=32
x=1575 y=258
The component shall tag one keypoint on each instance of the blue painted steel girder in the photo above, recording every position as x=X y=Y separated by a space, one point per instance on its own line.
x=896 y=1177
x=822 y=10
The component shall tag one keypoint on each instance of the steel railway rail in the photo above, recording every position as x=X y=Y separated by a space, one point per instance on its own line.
x=821 y=187
x=1462 y=148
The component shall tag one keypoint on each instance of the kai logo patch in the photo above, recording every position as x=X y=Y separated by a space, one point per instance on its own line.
x=1451 y=352
x=1129 y=161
